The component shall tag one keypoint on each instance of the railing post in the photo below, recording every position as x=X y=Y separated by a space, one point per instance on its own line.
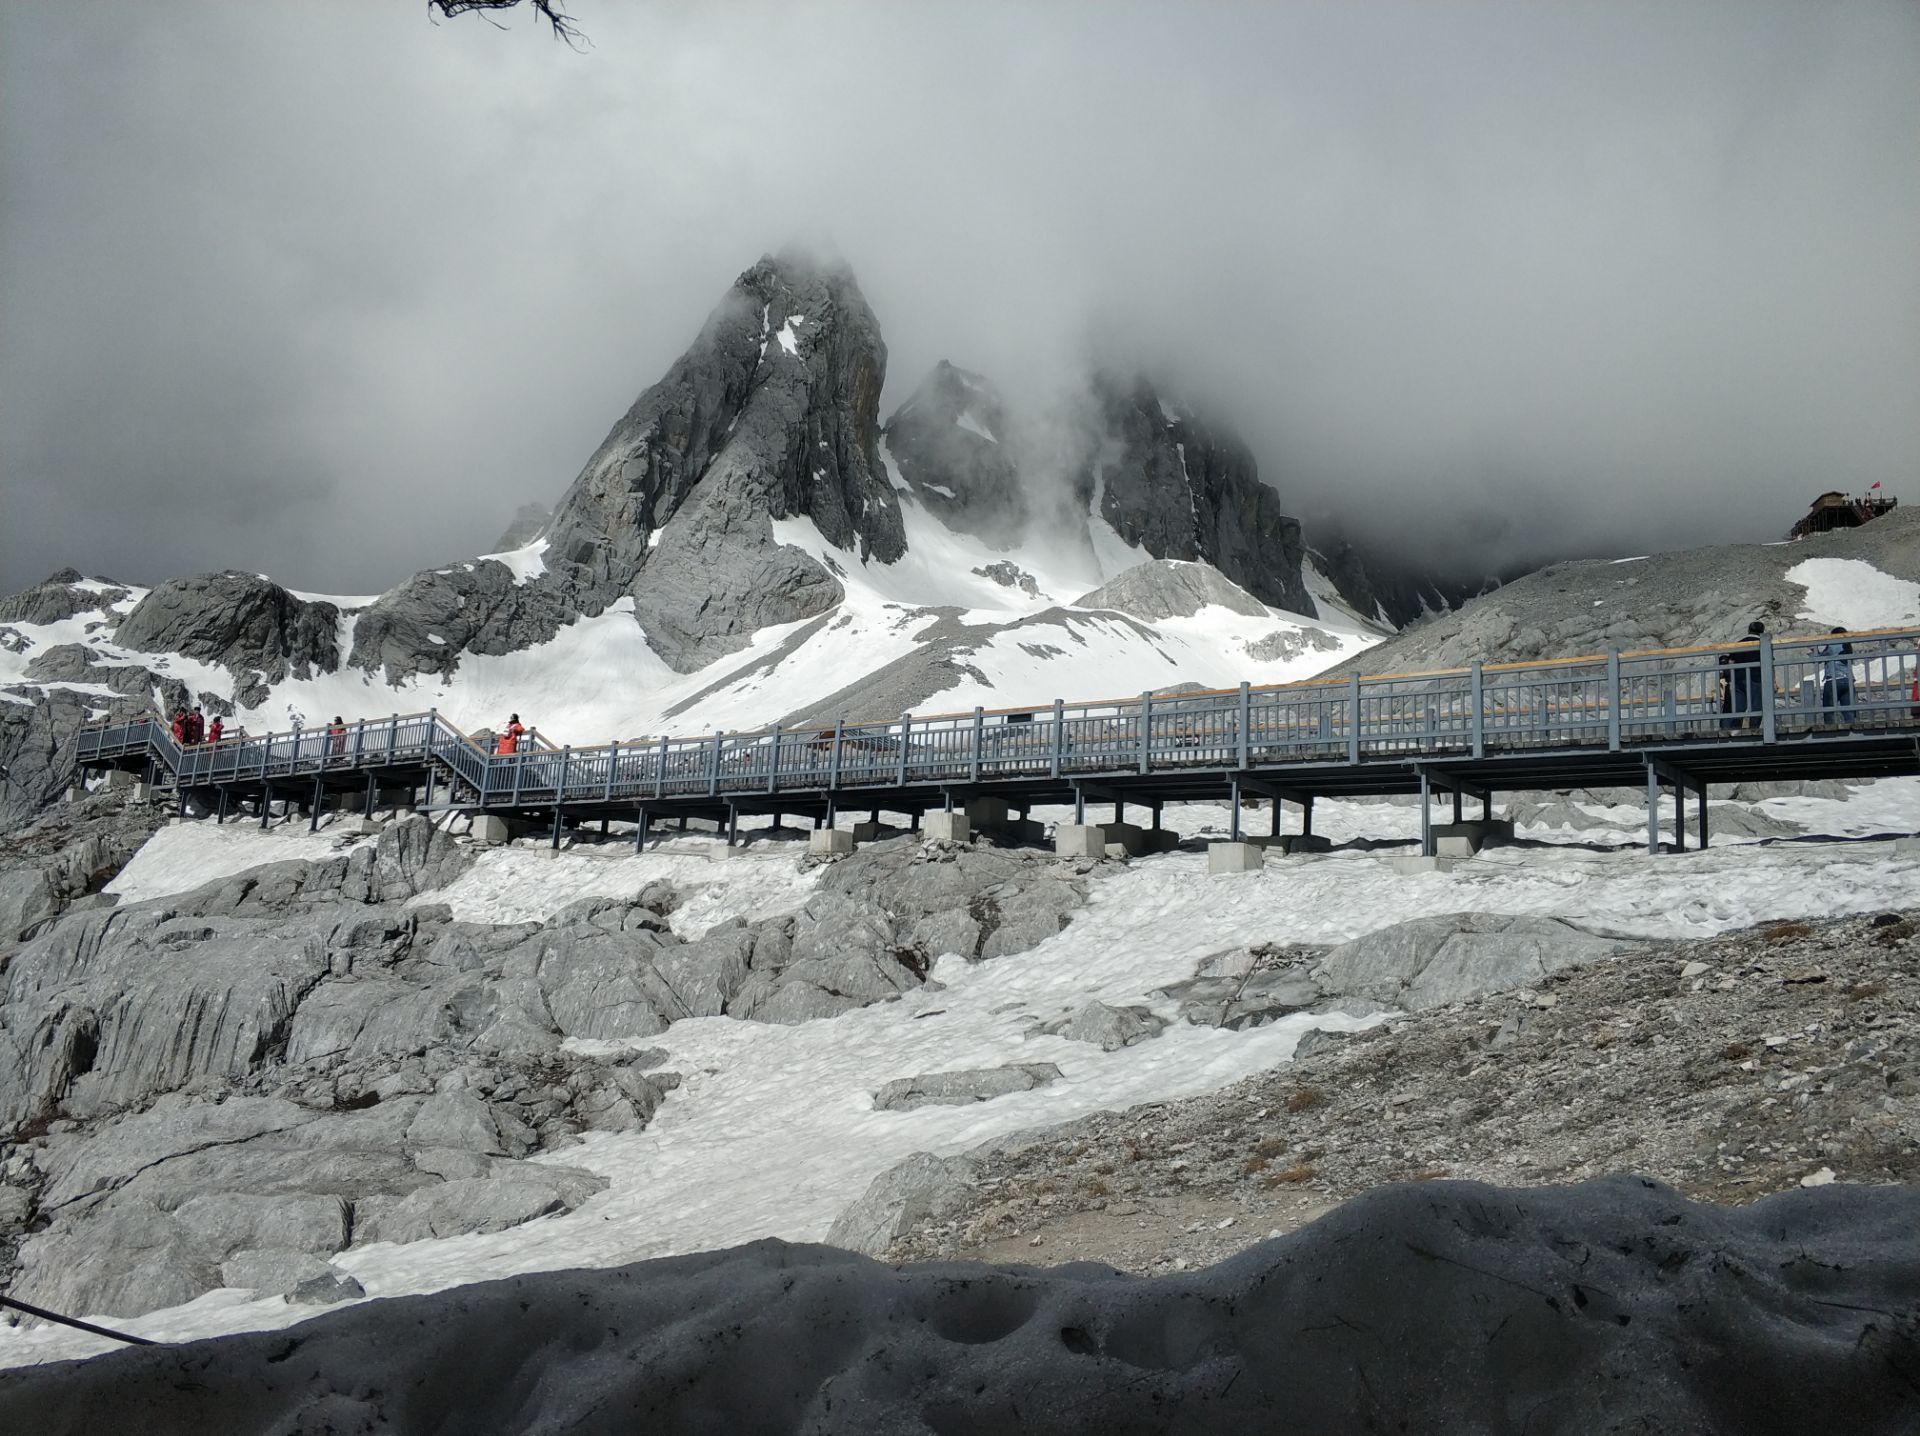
x=1059 y=737
x=1613 y=700
x=433 y=725
x=1766 y=688
x=773 y=767
x=979 y=735
x=393 y=736
x=1244 y=739
x=613 y=762
x=1146 y=729
x=560 y=788
x=833 y=758
x=1477 y=696
x=713 y=765
x=906 y=727
x=660 y=777
x=1353 y=718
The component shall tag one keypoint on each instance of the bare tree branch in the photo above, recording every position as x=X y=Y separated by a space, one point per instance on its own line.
x=552 y=11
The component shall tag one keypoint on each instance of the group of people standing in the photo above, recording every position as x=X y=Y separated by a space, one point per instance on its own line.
x=1740 y=679
x=190 y=727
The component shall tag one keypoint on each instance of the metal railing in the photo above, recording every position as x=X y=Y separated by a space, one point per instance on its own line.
x=1769 y=690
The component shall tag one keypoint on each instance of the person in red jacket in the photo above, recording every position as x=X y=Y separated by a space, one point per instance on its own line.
x=180 y=726
x=510 y=736
x=337 y=736
x=216 y=729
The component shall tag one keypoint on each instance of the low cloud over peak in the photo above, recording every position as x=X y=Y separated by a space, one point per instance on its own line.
x=330 y=291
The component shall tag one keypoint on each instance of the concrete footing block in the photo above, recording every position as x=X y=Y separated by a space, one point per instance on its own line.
x=490 y=830
x=1161 y=840
x=1407 y=866
x=943 y=827
x=987 y=812
x=143 y=793
x=1235 y=857
x=830 y=842
x=868 y=831
x=76 y=793
x=1077 y=840
x=363 y=827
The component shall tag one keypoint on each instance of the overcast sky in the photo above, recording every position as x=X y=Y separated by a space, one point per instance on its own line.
x=326 y=290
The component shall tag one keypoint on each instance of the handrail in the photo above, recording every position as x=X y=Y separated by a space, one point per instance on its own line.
x=1586 y=701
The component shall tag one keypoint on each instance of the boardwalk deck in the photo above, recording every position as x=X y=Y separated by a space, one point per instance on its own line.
x=1683 y=719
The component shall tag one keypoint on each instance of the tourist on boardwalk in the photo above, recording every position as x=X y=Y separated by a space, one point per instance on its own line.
x=217 y=729
x=1836 y=677
x=1740 y=681
x=337 y=736
x=180 y=726
x=196 y=725
x=511 y=735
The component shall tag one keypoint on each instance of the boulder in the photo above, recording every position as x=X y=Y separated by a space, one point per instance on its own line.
x=1108 y=1028
x=511 y=1195
x=1434 y=961
x=957 y=1089
x=923 y=1188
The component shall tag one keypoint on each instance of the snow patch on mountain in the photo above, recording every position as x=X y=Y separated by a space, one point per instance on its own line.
x=1853 y=593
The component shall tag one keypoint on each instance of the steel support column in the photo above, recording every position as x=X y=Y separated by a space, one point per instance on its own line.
x=640 y=831
x=1653 y=810
x=1426 y=815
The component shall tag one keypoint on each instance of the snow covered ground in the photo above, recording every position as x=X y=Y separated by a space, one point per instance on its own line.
x=772 y=1131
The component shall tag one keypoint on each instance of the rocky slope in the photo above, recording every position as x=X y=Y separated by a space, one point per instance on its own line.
x=227 y=1087
x=1452 y=1306
x=1699 y=596
x=1731 y=1068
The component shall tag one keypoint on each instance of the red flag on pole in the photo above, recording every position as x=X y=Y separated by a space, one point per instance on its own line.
x=1872 y=486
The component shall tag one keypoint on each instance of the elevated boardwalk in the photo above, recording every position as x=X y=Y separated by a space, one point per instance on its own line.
x=1679 y=719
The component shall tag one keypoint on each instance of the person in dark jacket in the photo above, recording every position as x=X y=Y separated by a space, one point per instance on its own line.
x=1740 y=681
x=1836 y=677
x=196 y=725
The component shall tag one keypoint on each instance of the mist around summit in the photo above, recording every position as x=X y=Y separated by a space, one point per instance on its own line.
x=1484 y=288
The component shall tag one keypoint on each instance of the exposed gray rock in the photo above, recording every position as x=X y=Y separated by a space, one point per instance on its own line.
x=1169 y=588
x=247 y=624
x=1109 y=1028
x=1286 y=644
x=1183 y=488
x=1703 y=596
x=326 y=1289
x=528 y=520
x=952 y=444
x=275 y=1271
x=231 y=1222
x=921 y=1188
x=512 y=1195
x=130 y=1259
x=60 y=597
x=478 y=606
x=957 y=1089
x=1433 y=961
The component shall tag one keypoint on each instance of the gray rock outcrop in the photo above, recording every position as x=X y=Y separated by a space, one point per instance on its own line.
x=1168 y=588
x=247 y=624
x=923 y=1188
x=1614 y=1304
x=1181 y=487
x=1433 y=961
x=953 y=446
x=959 y=1089
x=1108 y=1028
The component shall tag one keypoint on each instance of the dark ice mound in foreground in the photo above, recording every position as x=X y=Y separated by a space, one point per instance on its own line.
x=1445 y=1307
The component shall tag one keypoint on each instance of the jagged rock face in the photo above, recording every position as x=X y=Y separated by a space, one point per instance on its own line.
x=528 y=520
x=477 y=607
x=951 y=443
x=1166 y=588
x=1179 y=488
x=1391 y=591
x=243 y=622
x=58 y=597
